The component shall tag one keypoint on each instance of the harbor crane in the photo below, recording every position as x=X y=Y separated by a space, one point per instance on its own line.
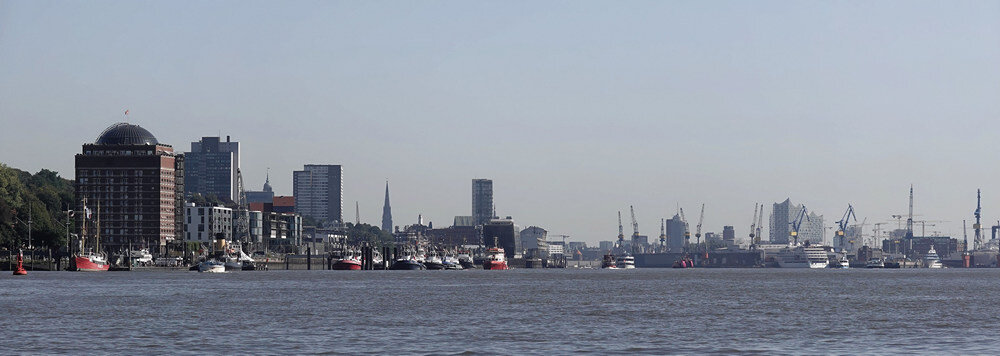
x=635 y=230
x=687 y=232
x=797 y=223
x=753 y=225
x=909 y=220
x=978 y=227
x=760 y=224
x=621 y=230
x=663 y=232
x=697 y=232
x=842 y=226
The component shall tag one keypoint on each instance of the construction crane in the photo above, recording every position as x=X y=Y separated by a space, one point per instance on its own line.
x=635 y=230
x=621 y=230
x=978 y=227
x=753 y=225
x=965 y=235
x=797 y=223
x=697 y=231
x=842 y=225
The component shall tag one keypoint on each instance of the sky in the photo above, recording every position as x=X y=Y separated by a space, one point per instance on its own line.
x=575 y=109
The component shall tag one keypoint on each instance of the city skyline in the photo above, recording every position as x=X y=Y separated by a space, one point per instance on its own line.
x=575 y=112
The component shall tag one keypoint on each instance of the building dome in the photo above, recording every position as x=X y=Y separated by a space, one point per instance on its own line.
x=124 y=133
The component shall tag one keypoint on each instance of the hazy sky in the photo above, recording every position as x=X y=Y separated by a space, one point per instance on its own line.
x=575 y=109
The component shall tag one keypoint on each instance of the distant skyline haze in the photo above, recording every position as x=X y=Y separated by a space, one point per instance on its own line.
x=574 y=109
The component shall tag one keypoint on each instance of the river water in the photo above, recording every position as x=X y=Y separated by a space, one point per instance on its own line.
x=654 y=311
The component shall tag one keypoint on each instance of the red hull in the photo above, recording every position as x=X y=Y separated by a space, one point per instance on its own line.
x=347 y=265
x=86 y=265
x=496 y=265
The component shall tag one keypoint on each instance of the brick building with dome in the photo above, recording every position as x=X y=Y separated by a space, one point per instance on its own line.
x=138 y=183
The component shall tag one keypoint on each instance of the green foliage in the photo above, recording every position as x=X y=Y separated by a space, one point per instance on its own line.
x=43 y=197
x=210 y=200
x=368 y=233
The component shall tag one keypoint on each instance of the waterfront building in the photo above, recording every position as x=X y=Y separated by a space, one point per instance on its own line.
x=138 y=184
x=386 y=211
x=453 y=236
x=318 y=191
x=482 y=201
x=556 y=248
x=945 y=246
x=283 y=204
x=729 y=237
x=207 y=223
x=505 y=233
x=211 y=168
x=784 y=213
x=265 y=195
x=607 y=245
x=464 y=221
x=675 y=228
x=534 y=237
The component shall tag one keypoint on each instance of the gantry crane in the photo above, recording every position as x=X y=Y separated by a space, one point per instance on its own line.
x=663 y=232
x=697 y=232
x=978 y=227
x=687 y=232
x=760 y=224
x=635 y=229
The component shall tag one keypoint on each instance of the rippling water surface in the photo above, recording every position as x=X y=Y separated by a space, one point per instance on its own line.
x=765 y=311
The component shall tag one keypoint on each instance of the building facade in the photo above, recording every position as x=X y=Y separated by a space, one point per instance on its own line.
x=784 y=213
x=137 y=183
x=504 y=233
x=211 y=168
x=482 y=201
x=675 y=228
x=207 y=223
x=318 y=192
x=534 y=237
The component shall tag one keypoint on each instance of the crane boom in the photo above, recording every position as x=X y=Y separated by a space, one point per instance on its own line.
x=760 y=224
x=797 y=223
x=621 y=229
x=701 y=219
x=909 y=219
x=635 y=225
x=753 y=224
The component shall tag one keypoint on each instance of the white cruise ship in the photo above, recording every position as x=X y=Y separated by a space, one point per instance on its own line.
x=803 y=257
x=931 y=259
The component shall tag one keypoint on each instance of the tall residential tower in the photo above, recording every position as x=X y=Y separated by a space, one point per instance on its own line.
x=210 y=168
x=318 y=191
x=482 y=201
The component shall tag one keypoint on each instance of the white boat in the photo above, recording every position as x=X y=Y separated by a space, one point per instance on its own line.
x=844 y=263
x=142 y=256
x=626 y=262
x=802 y=257
x=931 y=259
x=875 y=263
x=212 y=266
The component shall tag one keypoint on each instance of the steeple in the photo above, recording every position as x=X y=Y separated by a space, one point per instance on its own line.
x=386 y=211
x=267 y=181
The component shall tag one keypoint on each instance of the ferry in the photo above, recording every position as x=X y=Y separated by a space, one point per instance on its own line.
x=844 y=263
x=626 y=262
x=495 y=259
x=466 y=261
x=931 y=259
x=803 y=257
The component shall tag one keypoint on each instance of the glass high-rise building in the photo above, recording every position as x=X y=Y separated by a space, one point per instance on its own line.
x=210 y=168
x=318 y=191
x=482 y=201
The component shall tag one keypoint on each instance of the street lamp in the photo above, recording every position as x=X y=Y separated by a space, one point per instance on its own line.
x=32 y=250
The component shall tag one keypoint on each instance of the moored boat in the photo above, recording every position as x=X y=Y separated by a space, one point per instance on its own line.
x=212 y=266
x=91 y=262
x=803 y=257
x=407 y=263
x=609 y=262
x=931 y=259
x=348 y=263
x=875 y=262
x=434 y=262
x=626 y=262
x=495 y=259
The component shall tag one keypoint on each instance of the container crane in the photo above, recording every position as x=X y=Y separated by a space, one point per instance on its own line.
x=842 y=225
x=797 y=223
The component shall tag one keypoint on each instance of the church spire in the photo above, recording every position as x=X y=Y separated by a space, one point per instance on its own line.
x=267 y=181
x=386 y=211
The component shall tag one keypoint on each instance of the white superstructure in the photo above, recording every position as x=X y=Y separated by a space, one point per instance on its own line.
x=802 y=257
x=626 y=262
x=931 y=259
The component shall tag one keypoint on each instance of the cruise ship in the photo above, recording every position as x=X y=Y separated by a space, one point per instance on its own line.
x=803 y=257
